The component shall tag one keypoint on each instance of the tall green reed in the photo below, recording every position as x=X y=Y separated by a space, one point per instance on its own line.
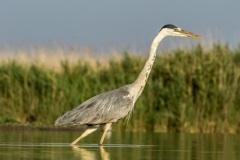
x=189 y=90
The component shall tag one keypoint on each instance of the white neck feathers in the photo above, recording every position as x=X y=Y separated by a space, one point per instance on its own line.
x=140 y=82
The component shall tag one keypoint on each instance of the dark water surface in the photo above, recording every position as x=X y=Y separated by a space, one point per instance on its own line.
x=35 y=144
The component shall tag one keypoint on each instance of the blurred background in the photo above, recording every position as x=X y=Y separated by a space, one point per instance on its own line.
x=56 y=54
x=105 y=25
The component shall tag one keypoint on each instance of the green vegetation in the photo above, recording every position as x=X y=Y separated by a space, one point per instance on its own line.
x=189 y=90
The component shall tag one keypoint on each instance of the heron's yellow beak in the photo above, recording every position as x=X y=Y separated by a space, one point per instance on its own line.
x=189 y=34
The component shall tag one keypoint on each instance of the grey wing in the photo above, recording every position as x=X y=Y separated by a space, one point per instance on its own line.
x=104 y=108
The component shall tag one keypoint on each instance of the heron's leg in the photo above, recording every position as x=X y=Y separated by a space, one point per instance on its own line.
x=108 y=125
x=85 y=133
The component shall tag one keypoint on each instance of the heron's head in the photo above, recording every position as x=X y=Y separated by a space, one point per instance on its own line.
x=171 y=30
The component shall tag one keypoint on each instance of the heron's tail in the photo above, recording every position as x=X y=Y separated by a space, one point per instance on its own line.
x=58 y=122
x=64 y=119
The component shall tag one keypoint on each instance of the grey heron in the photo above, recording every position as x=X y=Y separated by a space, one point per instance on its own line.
x=109 y=107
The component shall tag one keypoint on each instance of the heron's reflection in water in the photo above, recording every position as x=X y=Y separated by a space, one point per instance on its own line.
x=87 y=154
x=104 y=154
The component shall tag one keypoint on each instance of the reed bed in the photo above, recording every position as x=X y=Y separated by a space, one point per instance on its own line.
x=189 y=90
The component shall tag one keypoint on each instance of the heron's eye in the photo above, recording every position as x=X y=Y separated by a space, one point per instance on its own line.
x=176 y=29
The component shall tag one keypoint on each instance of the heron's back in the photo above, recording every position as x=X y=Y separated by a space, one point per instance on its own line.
x=103 y=108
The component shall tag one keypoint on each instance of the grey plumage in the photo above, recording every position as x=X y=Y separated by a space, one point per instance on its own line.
x=107 y=108
x=94 y=112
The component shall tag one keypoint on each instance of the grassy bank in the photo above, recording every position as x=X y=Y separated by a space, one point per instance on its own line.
x=189 y=90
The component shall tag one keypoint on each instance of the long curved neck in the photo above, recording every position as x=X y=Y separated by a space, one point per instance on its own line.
x=140 y=82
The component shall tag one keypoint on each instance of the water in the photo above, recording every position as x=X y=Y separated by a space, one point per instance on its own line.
x=35 y=144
